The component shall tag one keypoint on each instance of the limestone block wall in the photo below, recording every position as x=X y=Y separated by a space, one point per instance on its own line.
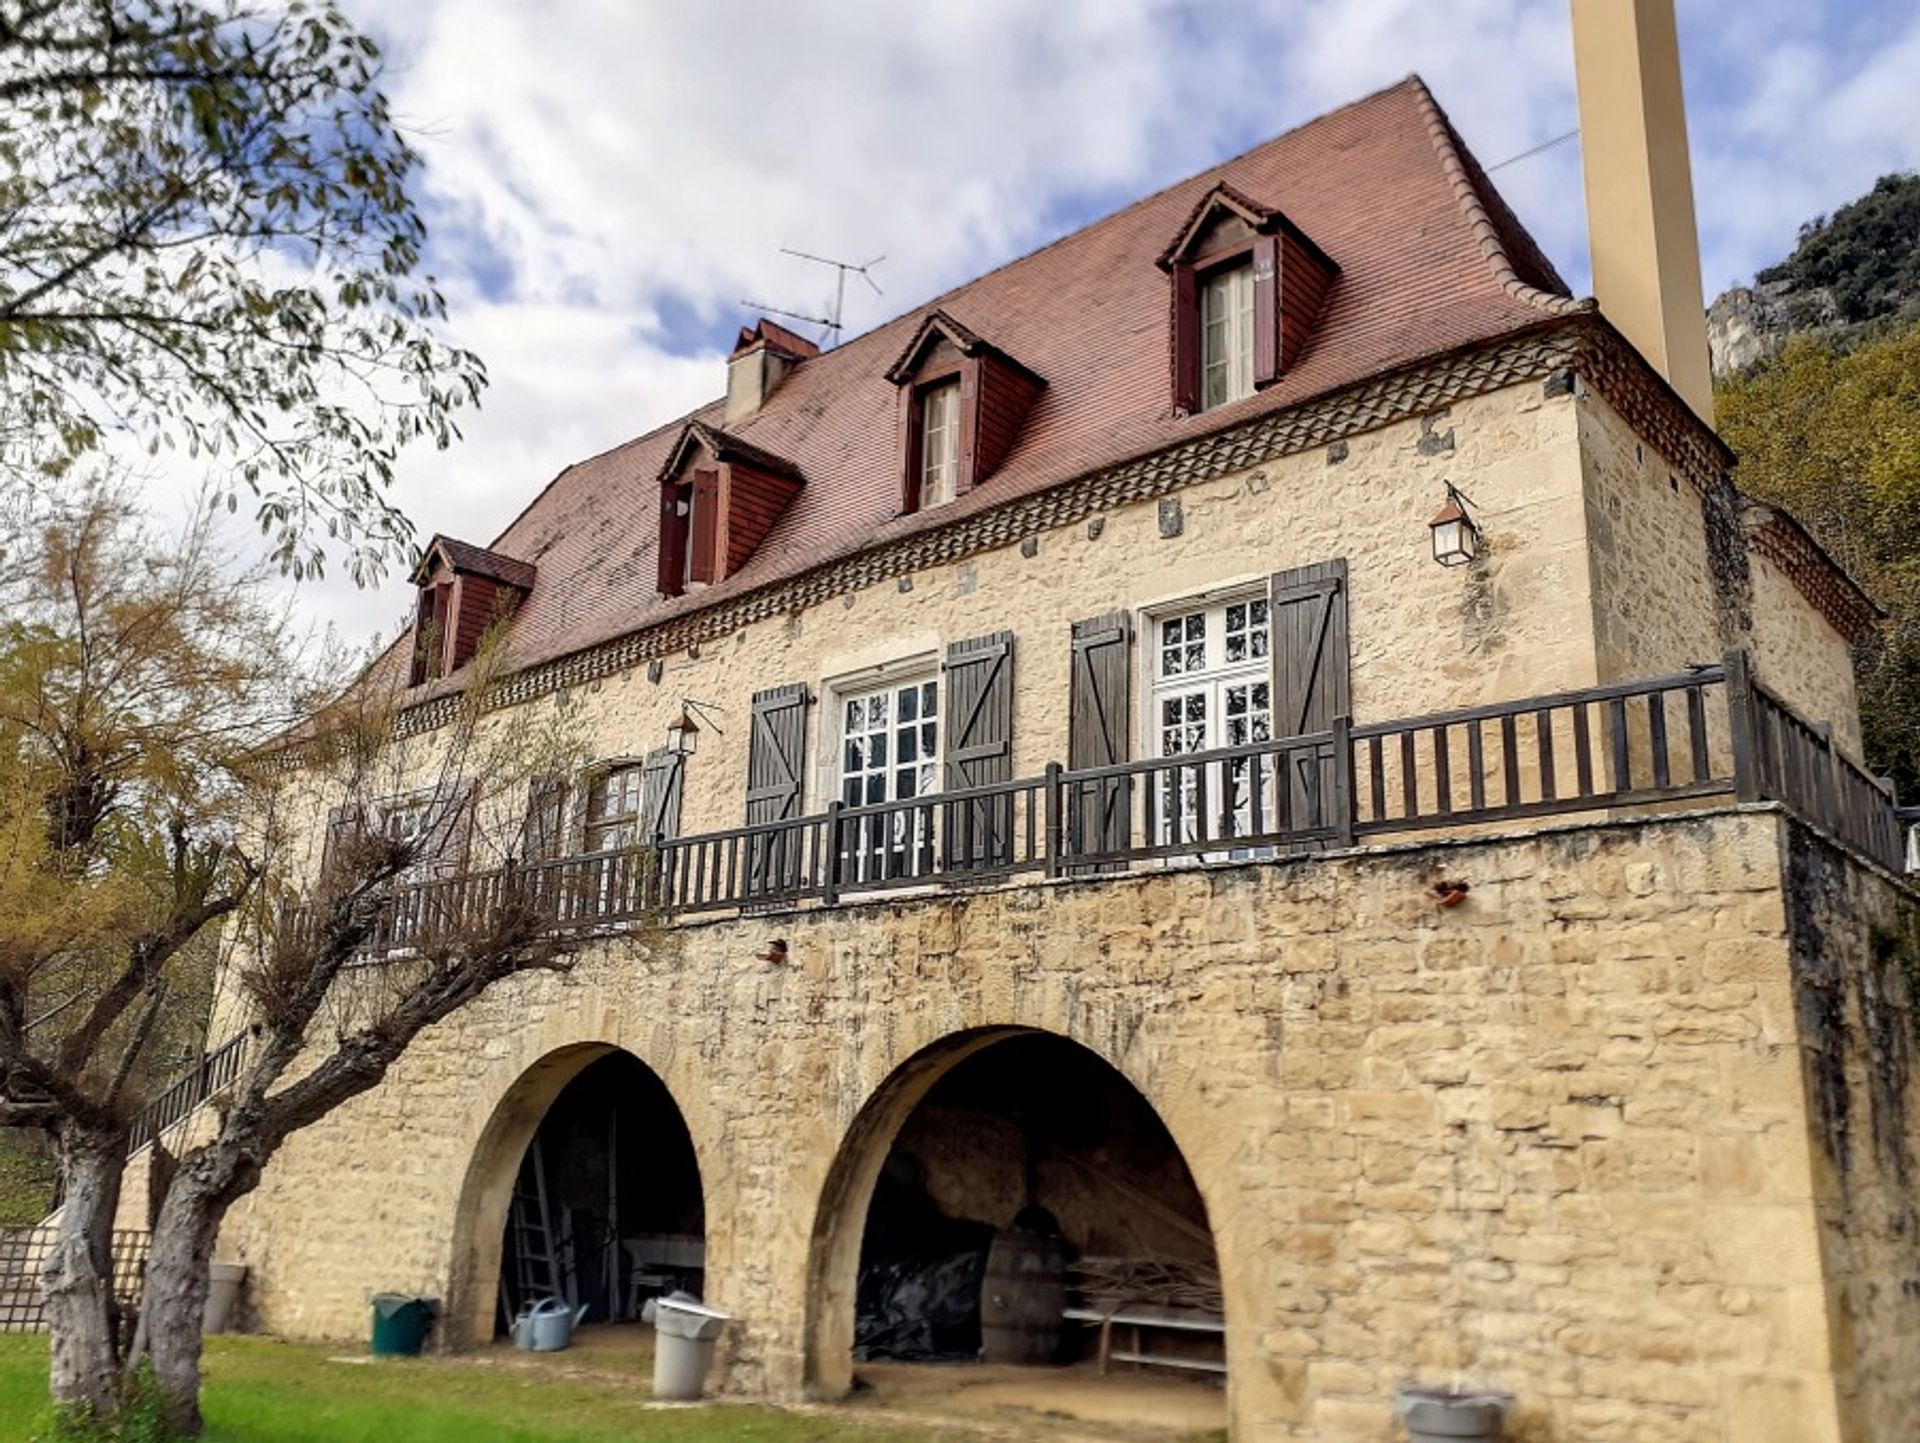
x=1555 y=1140
x=1800 y=657
x=1856 y=956
x=1652 y=587
x=1424 y=638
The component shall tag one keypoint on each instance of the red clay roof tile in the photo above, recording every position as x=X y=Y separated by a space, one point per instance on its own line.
x=1430 y=261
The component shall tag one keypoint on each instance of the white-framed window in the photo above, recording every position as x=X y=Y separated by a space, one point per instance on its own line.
x=1211 y=687
x=888 y=751
x=613 y=808
x=427 y=821
x=1226 y=335
x=939 y=443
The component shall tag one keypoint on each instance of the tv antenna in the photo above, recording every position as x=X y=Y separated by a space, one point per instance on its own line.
x=830 y=323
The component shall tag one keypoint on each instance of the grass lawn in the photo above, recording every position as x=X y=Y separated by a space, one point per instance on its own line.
x=259 y=1391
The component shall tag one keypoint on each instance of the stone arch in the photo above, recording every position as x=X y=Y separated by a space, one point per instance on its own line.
x=840 y=1220
x=486 y=1189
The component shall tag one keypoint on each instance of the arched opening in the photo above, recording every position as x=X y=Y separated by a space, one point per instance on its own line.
x=1010 y=1200
x=585 y=1186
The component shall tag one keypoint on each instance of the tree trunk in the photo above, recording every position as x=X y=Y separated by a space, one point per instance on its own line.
x=175 y=1298
x=82 y=1314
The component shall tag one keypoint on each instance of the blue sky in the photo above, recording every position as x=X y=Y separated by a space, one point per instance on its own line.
x=607 y=182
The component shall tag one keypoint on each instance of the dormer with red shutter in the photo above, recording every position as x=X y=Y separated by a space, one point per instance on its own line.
x=962 y=404
x=719 y=497
x=1247 y=288
x=464 y=590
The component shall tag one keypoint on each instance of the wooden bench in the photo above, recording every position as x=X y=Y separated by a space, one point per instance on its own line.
x=1141 y=1317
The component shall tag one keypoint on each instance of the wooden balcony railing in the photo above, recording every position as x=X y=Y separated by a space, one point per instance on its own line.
x=1711 y=731
x=212 y=1074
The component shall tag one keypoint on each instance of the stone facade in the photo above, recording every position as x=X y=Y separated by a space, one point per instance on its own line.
x=1801 y=656
x=1558 y=1140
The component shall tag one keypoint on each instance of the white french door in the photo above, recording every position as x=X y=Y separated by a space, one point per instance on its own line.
x=1212 y=689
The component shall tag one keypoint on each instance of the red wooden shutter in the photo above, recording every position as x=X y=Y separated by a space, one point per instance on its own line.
x=969 y=419
x=979 y=749
x=909 y=449
x=673 y=540
x=420 y=670
x=1100 y=812
x=1186 y=340
x=1266 y=310
x=706 y=527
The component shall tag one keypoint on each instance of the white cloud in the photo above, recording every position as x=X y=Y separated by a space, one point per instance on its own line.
x=589 y=160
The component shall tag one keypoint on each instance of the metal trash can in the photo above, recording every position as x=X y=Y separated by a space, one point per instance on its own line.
x=223 y=1296
x=400 y=1324
x=684 y=1332
x=1442 y=1415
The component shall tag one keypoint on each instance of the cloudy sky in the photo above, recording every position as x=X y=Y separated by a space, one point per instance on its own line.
x=608 y=179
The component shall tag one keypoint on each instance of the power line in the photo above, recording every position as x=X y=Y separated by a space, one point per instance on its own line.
x=1529 y=154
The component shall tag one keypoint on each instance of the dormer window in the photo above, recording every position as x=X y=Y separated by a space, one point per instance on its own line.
x=719 y=497
x=1226 y=335
x=939 y=443
x=465 y=590
x=1247 y=288
x=963 y=402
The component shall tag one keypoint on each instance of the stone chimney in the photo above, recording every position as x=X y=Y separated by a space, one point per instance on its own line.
x=1640 y=221
x=760 y=361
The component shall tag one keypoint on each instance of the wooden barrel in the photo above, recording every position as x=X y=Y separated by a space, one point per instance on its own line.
x=1021 y=1297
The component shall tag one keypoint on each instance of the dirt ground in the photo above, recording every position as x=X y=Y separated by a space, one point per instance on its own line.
x=1046 y=1405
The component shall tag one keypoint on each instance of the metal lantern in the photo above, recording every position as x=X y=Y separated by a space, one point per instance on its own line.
x=683 y=735
x=1456 y=540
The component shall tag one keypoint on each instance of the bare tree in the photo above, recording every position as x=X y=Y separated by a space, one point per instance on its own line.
x=138 y=681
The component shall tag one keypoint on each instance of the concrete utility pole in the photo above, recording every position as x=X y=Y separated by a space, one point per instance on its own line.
x=1640 y=220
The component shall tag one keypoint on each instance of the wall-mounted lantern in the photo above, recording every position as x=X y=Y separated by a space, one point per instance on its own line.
x=683 y=735
x=683 y=732
x=1456 y=540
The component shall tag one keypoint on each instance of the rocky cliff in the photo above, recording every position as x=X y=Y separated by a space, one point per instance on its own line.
x=1856 y=269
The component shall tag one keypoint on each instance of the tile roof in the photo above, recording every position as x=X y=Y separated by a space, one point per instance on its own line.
x=1431 y=261
x=465 y=556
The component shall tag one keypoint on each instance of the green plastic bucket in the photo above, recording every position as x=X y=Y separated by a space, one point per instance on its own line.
x=400 y=1324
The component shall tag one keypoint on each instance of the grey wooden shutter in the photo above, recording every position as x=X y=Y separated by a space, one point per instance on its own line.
x=449 y=828
x=660 y=788
x=1312 y=681
x=345 y=824
x=979 y=750
x=1099 y=813
x=776 y=761
x=1312 y=667
x=543 y=833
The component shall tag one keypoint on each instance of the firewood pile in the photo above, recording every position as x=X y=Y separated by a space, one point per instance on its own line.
x=1110 y=1283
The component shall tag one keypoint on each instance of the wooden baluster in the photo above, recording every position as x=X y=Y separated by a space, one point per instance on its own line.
x=1476 y=766
x=1657 y=739
x=1622 y=754
x=1702 y=763
x=1509 y=761
x=1442 y=772
x=1543 y=745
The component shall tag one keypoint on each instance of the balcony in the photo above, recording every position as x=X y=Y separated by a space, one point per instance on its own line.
x=1651 y=745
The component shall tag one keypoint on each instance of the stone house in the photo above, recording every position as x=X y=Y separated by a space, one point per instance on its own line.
x=1265 y=730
